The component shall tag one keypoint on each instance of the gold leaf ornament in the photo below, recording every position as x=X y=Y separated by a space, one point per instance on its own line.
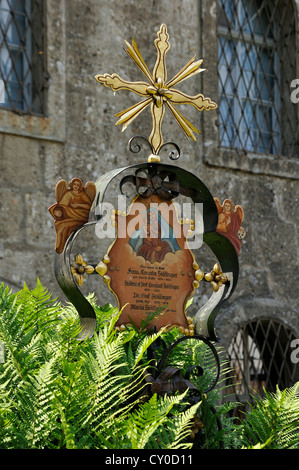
x=216 y=277
x=101 y=268
x=80 y=269
x=158 y=93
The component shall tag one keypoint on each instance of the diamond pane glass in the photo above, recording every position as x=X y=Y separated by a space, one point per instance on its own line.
x=260 y=357
x=22 y=55
x=256 y=65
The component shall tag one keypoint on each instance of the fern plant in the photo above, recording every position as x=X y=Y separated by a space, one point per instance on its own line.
x=273 y=421
x=57 y=392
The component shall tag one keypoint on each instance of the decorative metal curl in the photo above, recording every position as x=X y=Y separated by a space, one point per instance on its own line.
x=135 y=147
x=172 y=155
x=169 y=380
x=156 y=182
x=193 y=368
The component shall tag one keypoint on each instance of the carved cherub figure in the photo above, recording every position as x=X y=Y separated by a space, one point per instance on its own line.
x=230 y=218
x=72 y=208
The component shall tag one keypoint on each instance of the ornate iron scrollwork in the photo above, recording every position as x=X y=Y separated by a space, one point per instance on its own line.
x=155 y=181
x=135 y=146
x=218 y=243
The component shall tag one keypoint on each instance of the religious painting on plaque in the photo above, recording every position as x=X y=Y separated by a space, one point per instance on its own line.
x=149 y=266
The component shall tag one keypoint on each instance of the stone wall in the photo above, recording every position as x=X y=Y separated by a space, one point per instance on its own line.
x=78 y=137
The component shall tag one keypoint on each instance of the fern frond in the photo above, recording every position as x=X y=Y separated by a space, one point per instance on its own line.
x=108 y=390
x=274 y=420
x=68 y=431
x=180 y=428
x=32 y=416
x=147 y=341
x=148 y=418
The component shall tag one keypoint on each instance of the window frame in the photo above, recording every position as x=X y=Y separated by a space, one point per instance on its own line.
x=242 y=385
x=23 y=100
x=212 y=154
x=51 y=125
x=241 y=139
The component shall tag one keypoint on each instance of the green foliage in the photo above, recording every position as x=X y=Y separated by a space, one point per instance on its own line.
x=273 y=421
x=60 y=393
x=57 y=392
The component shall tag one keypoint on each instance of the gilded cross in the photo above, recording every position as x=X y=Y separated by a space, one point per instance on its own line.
x=158 y=92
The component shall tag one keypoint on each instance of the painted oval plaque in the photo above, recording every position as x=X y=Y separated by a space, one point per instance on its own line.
x=149 y=266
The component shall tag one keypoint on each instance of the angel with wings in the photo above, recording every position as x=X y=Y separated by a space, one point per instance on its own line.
x=72 y=208
x=230 y=218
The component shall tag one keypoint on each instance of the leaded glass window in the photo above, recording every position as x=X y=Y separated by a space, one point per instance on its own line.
x=260 y=356
x=22 y=55
x=256 y=65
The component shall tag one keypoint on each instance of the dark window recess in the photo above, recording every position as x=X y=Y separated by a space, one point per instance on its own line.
x=260 y=356
x=22 y=55
x=257 y=54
